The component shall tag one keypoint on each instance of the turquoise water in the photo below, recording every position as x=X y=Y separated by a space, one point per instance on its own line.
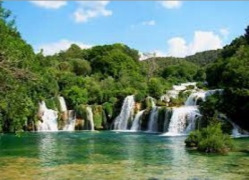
x=114 y=155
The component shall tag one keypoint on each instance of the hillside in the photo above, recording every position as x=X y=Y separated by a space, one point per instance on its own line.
x=105 y=75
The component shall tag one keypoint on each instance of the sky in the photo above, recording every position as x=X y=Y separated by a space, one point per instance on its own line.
x=167 y=28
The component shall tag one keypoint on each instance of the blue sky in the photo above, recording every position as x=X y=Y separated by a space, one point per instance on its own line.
x=167 y=28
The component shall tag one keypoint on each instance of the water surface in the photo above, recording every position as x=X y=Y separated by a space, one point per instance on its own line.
x=114 y=155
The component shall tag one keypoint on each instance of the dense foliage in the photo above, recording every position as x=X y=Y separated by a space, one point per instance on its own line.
x=204 y=58
x=210 y=140
x=105 y=75
x=231 y=72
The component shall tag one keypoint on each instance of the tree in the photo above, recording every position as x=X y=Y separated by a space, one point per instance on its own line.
x=74 y=51
x=81 y=67
x=75 y=96
x=247 y=34
x=155 y=87
x=231 y=73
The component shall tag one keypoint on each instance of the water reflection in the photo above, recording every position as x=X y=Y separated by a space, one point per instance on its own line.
x=112 y=155
x=48 y=149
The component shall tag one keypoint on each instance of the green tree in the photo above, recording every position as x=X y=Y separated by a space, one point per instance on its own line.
x=155 y=87
x=231 y=73
x=75 y=96
x=81 y=67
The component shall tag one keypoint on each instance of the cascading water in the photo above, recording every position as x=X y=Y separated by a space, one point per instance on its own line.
x=183 y=120
x=153 y=120
x=195 y=96
x=63 y=106
x=90 y=117
x=167 y=117
x=70 y=126
x=69 y=116
x=136 y=122
x=183 y=86
x=121 y=122
x=48 y=117
x=173 y=94
x=235 y=131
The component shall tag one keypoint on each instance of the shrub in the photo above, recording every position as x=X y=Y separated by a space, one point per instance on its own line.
x=97 y=116
x=193 y=139
x=148 y=102
x=210 y=140
x=140 y=96
x=50 y=103
x=108 y=107
x=190 y=87
x=81 y=111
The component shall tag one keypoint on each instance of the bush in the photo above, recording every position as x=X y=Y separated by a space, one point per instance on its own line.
x=140 y=96
x=108 y=107
x=190 y=87
x=210 y=140
x=81 y=67
x=75 y=96
x=97 y=116
x=148 y=102
x=81 y=111
x=155 y=87
x=51 y=104
x=193 y=139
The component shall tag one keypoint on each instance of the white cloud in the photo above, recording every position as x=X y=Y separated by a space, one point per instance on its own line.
x=205 y=40
x=49 y=4
x=149 y=23
x=91 y=9
x=171 y=4
x=224 y=32
x=55 y=47
x=202 y=41
x=177 y=47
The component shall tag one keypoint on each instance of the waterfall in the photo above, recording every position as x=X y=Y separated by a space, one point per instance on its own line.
x=121 y=121
x=153 y=120
x=170 y=94
x=48 y=117
x=183 y=120
x=167 y=120
x=235 y=131
x=184 y=86
x=70 y=126
x=69 y=116
x=90 y=117
x=176 y=90
x=195 y=96
x=136 y=123
x=63 y=106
